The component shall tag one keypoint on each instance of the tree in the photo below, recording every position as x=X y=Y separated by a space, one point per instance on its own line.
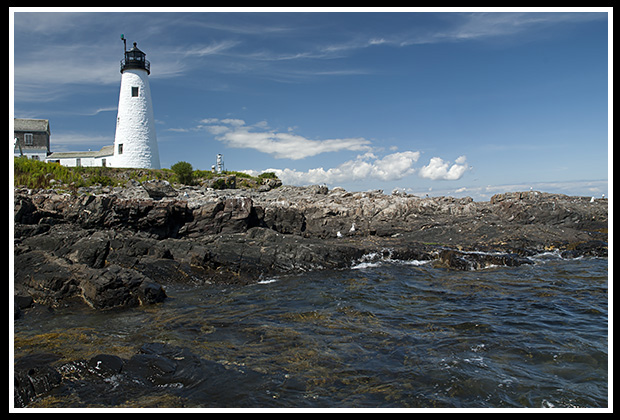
x=184 y=172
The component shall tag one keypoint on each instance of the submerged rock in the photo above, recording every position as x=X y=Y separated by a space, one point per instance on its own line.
x=33 y=377
x=156 y=373
x=459 y=260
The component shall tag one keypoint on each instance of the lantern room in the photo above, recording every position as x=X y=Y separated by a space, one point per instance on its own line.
x=135 y=59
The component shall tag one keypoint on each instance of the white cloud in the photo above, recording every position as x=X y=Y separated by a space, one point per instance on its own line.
x=68 y=141
x=47 y=71
x=233 y=121
x=490 y=25
x=440 y=169
x=209 y=121
x=213 y=48
x=364 y=167
x=234 y=133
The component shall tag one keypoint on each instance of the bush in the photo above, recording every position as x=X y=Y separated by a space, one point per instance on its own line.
x=268 y=175
x=184 y=172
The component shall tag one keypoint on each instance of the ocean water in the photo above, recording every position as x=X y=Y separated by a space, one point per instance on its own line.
x=381 y=334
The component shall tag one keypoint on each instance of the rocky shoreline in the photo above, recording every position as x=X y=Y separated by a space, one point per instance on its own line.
x=118 y=247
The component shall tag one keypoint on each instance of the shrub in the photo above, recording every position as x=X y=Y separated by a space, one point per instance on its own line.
x=184 y=172
x=268 y=175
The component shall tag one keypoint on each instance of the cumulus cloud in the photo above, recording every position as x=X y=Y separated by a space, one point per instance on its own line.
x=367 y=166
x=235 y=133
x=438 y=169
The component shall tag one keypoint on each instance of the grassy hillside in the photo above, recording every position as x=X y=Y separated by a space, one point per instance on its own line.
x=36 y=174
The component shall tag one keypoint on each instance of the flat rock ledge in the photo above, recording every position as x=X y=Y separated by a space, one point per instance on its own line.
x=119 y=247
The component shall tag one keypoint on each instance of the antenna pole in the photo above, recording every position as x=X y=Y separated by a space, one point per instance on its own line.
x=124 y=42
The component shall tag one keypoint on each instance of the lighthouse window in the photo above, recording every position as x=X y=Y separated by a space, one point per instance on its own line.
x=120 y=149
x=134 y=91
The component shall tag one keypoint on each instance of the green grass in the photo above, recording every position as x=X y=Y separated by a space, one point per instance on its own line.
x=35 y=174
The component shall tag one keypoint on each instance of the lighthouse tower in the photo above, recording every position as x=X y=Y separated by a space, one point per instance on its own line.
x=135 y=141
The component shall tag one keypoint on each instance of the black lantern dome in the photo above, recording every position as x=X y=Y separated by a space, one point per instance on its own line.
x=135 y=59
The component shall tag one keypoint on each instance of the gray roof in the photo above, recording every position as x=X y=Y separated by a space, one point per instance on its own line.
x=25 y=124
x=105 y=151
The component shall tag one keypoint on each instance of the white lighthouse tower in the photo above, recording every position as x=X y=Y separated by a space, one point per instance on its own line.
x=135 y=141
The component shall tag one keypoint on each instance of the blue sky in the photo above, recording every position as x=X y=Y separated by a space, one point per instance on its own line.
x=467 y=103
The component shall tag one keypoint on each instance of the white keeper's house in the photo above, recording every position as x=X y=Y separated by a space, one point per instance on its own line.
x=135 y=141
x=89 y=158
x=32 y=139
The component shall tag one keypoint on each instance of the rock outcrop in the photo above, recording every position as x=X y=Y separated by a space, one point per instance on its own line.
x=117 y=248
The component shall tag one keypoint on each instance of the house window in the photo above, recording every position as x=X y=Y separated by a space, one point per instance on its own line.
x=28 y=139
x=134 y=91
x=120 y=149
x=78 y=162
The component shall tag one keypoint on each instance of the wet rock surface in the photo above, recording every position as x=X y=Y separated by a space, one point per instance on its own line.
x=118 y=248
x=157 y=371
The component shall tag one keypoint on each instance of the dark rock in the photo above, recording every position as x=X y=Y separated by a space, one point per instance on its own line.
x=227 y=215
x=159 y=218
x=24 y=210
x=20 y=303
x=63 y=270
x=243 y=258
x=156 y=369
x=457 y=260
x=150 y=293
x=159 y=189
x=23 y=302
x=269 y=184
x=105 y=364
x=45 y=278
x=33 y=377
x=587 y=249
x=91 y=251
x=114 y=249
x=452 y=259
x=120 y=287
x=285 y=220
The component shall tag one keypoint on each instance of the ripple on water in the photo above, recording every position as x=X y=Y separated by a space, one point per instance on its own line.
x=390 y=335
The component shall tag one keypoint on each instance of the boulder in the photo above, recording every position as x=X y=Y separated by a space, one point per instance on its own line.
x=158 y=189
x=50 y=280
x=34 y=376
x=119 y=287
x=91 y=251
x=46 y=278
x=226 y=215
